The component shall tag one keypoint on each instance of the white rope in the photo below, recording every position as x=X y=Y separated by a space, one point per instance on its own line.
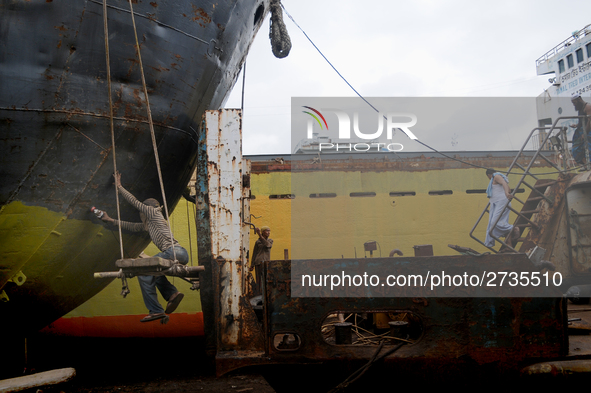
x=155 y=147
x=125 y=287
x=111 y=118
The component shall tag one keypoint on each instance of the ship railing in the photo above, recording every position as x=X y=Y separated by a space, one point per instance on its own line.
x=574 y=37
x=555 y=135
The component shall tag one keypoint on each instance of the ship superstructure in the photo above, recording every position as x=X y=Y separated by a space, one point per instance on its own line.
x=568 y=66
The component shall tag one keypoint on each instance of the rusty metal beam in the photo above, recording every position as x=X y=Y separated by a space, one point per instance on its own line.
x=223 y=235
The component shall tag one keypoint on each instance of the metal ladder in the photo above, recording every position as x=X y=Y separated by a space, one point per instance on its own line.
x=530 y=206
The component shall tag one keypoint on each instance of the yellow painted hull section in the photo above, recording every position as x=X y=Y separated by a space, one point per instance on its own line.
x=120 y=317
x=48 y=261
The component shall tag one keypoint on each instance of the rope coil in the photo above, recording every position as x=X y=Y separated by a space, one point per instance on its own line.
x=280 y=41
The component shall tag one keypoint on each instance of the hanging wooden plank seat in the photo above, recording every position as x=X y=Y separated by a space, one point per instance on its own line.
x=151 y=266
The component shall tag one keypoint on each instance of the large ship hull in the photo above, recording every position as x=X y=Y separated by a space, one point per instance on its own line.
x=56 y=155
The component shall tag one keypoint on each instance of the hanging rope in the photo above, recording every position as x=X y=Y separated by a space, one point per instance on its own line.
x=111 y=116
x=154 y=146
x=189 y=230
x=125 y=289
x=243 y=83
x=280 y=41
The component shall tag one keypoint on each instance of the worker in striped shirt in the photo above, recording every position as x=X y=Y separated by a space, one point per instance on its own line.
x=156 y=225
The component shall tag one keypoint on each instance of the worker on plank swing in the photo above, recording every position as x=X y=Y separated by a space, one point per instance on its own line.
x=156 y=225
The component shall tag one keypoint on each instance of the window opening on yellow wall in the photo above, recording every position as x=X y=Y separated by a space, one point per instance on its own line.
x=282 y=196
x=441 y=192
x=323 y=195
x=362 y=194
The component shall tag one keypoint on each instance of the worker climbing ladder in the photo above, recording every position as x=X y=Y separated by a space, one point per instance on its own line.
x=543 y=192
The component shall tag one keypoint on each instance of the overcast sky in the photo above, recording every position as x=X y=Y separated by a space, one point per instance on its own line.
x=386 y=48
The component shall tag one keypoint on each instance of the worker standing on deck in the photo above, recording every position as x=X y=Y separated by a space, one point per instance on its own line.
x=156 y=225
x=261 y=253
x=582 y=127
x=499 y=193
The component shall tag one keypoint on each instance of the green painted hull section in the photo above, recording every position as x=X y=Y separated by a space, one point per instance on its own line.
x=109 y=301
x=57 y=257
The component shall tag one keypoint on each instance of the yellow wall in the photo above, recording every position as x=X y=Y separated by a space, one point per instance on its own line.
x=339 y=227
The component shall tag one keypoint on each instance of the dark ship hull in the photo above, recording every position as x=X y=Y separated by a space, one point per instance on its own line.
x=56 y=158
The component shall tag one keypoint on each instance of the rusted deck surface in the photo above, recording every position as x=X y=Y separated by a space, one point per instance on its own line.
x=404 y=161
x=579 y=331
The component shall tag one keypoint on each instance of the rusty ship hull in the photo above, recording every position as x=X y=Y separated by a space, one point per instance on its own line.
x=56 y=151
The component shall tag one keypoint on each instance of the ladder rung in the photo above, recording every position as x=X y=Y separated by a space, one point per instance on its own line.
x=549 y=162
x=515 y=198
x=545 y=185
x=520 y=215
x=525 y=170
x=528 y=185
x=534 y=189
